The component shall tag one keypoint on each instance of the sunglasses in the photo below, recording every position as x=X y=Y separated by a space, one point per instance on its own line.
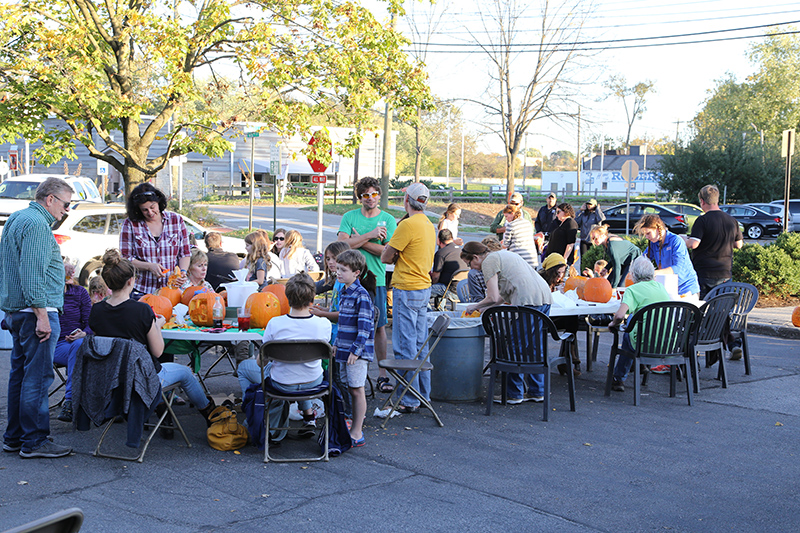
x=143 y=197
x=66 y=204
x=368 y=195
x=280 y=238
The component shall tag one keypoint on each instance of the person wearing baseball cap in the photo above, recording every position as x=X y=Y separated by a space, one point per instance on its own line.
x=498 y=225
x=546 y=220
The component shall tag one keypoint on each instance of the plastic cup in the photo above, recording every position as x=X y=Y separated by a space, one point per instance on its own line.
x=243 y=319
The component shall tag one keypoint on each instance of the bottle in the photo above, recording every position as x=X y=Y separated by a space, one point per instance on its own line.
x=217 y=313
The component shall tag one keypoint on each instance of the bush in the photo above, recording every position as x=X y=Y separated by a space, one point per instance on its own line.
x=199 y=214
x=769 y=268
x=789 y=243
x=593 y=254
x=640 y=242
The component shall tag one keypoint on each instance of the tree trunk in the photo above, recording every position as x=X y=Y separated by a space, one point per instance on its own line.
x=509 y=177
x=132 y=178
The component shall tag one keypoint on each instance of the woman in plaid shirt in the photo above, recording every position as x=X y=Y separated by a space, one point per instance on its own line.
x=153 y=239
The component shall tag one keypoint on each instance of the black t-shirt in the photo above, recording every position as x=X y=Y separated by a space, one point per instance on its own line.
x=447 y=262
x=713 y=257
x=563 y=236
x=220 y=267
x=128 y=320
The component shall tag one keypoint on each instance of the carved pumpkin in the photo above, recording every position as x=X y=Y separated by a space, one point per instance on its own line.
x=171 y=294
x=628 y=280
x=263 y=307
x=796 y=316
x=190 y=292
x=575 y=283
x=201 y=308
x=279 y=291
x=161 y=305
x=597 y=290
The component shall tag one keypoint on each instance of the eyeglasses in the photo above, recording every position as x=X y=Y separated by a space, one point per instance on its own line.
x=66 y=204
x=368 y=195
x=280 y=238
x=513 y=203
x=143 y=197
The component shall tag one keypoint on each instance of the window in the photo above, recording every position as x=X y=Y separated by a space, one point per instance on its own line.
x=92 y=224
x=604 y=186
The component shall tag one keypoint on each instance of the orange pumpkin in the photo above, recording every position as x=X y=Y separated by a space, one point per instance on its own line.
x=628 y=280
x=171 y=294
x=575 y=283
x=597 y=290
x=190 y=292
x=279 y=291
x=201 y=308
x=263 y=307
x=796 y=316
x=161 y=305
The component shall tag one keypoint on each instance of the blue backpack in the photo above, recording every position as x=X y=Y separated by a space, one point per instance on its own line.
x=339 y=440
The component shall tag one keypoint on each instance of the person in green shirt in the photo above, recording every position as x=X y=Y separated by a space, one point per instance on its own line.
x=498 y=225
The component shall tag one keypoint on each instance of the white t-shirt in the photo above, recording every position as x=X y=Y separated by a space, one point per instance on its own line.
x=452 y=225
x=285 y=327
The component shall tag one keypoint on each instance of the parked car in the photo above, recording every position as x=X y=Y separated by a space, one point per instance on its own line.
x=770 y=209
x=794 y=211
x=615 y=216
x=88 y=230
x=756 y=222
x=691 y=211
x=17 y=192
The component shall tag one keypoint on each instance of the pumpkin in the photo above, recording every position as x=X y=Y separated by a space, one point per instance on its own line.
x=171 y=294
x=628 y=280
x=263 y=307
x=575 y=283
x=597 y=290
x=201 y=308
x=190 y=292
x=796 y=316
x=280 y=292
x=161 y=305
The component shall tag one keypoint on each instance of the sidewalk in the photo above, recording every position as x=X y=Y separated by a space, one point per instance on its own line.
x=773 y=321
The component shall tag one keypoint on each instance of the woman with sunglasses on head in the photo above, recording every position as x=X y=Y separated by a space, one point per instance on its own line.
x=296 y=257
x=153 y=239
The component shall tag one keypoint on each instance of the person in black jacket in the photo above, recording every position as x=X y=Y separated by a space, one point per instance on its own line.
x=546 y=220
x=221 y=264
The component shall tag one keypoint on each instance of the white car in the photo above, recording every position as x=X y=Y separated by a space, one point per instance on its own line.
x=89 y=230
x=17 y=192
x=794 y=213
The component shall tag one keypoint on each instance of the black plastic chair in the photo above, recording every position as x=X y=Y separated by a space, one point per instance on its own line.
x=518 y=343
x=296 y=352
x=664 y=335
x=748 y=297
x=709 y=335
x=593 y=332
x=66 y=521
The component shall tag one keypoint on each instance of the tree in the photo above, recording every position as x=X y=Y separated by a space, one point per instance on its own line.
x=529 y=82
x=635 y=108
x=103 y=66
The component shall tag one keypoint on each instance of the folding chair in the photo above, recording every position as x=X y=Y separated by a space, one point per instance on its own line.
x=296 y=352
x=450 y=294
x=709 y=335
x=399 y=368
x=66 y=521
x=518 y=343
x=62 y=383
x=748 y=298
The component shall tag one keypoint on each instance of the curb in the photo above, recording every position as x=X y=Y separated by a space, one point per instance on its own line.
x=771 y=330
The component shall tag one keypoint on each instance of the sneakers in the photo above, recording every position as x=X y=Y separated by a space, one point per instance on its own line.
x=11 y=448
x=534 y=399
x=510 y=401
x=48 y=450
x=308 y=430
x=736 y=353
x=617 y=386
x=66 y=411
x=660 y=369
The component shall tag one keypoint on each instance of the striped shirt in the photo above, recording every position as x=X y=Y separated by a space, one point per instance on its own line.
x=31 y=269
x=518 y=238
x=136 y=242
x=356 y=333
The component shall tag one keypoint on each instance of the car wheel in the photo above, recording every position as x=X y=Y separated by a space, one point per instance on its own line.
x=755 y=231
x=90 y=270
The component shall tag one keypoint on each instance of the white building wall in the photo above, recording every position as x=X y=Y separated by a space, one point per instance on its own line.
x=594 y=182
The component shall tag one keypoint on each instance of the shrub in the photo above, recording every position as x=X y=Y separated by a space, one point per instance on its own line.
x=640 y=242
x=790 y=243
x=769 y=268
x=593 y=254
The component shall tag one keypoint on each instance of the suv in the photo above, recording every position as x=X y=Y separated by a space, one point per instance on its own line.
x=794 y=213
x=17 y=192
x=88 y=230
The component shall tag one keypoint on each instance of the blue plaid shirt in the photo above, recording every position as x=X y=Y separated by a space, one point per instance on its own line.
x=356 y=324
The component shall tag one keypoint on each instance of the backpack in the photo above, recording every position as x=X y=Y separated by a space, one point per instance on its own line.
x=339 y=440
x=253 y=406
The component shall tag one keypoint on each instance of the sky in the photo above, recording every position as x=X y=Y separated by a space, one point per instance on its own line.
x=682 y=73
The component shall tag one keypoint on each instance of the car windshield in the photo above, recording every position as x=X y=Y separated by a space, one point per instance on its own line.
x=19 y=190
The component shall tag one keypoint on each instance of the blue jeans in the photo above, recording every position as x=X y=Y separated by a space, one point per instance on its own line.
x=623 y=364
x=250 y=373
x=172 y=373
x=517 y=383
x=65 y=355
x=409 y=331
x=30 y=376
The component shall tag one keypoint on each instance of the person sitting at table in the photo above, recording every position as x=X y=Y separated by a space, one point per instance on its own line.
x=98 y=290
x=476 y=285
x=295 y=257
x=221 y=264
x=263 y=266
x=644 y=291
x=553 y=270
x=299 y=324
x=122 y=317
x=196 y=273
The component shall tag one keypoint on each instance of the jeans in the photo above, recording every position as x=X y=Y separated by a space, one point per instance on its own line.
x=65 y=356
x=409 y=331
x=250 y=373
x=623 y=365
x=30 y=376
x=706 y=284
x=172 y=373
x=516 y=383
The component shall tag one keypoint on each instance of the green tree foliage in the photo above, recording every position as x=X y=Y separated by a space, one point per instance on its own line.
x=102 y=67
x=592 y=255
x=633 y=98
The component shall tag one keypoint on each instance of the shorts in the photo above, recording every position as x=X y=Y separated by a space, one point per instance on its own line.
x=380 y=307
x=354 y=375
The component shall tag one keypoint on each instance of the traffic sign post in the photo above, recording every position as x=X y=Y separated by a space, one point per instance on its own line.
x=787 y=151
x=630 y=169
x=318 y=166
x=319 y=179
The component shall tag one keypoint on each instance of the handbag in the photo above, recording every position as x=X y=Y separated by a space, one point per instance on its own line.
x=225 y=432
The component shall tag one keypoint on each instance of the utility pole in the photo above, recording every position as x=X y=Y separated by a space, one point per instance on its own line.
x=677 y=131
x=447 y=164
x=578 y=158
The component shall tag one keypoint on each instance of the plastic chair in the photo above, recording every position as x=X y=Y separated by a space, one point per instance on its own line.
x=748 y=298
x=518 y=343
x=592 y=341
x=664 y=334
x=296 y=352
x=450 y=294
x=462 y=291
x=66 y=521
x=709 y=334
x=400 y=368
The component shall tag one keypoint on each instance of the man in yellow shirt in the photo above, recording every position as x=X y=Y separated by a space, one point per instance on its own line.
x=411 y=249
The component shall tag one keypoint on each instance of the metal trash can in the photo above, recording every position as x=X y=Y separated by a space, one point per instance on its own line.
x=457 y=374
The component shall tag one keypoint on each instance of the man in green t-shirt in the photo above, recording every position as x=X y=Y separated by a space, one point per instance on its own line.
x=368 y=230
x=498 y=225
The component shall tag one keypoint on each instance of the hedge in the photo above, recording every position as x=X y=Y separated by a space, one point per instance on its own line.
x=770 y=268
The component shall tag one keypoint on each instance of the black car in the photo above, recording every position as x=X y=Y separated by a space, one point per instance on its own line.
x=615 y=217
x=757 y=223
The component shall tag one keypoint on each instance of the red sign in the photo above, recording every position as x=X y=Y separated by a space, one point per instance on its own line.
x=319 y=179
x=316 y=166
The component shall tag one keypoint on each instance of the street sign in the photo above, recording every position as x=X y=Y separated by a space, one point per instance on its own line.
x=251 y=134
x=274 y=167
x=630 y=170
x=787 y=143
x=102 y=168
x=319 y=179
x=316 y=165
